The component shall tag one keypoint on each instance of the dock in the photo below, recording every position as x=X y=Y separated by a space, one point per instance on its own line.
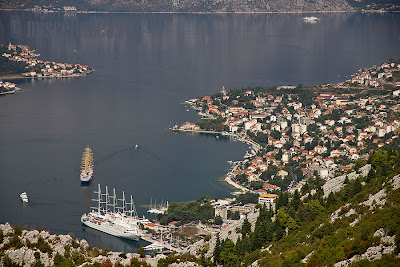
x=196 y=131
x=149 y=238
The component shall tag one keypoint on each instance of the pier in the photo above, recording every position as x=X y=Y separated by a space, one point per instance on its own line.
x=197 y=131
x=149 y=238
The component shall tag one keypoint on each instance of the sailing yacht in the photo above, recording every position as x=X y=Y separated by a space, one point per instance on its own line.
x=120 y=221
x=87 y=166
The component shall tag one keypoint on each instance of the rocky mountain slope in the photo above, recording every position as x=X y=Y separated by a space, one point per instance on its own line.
x=189 y=5
x=350 y=220
x=20 y=247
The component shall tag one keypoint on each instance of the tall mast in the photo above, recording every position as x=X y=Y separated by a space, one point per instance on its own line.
x=151 y=201
x=99 y=192
x=114 y=199
x=123 y=203
x=98 y=199
x=133 y=209
x=107 y=199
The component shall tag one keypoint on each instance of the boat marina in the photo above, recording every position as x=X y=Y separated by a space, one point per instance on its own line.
x=118 y=217
x=161 y=209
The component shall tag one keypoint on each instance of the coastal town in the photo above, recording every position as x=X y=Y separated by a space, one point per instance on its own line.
x=305 y=145
x=27 y=65
x=299 y=135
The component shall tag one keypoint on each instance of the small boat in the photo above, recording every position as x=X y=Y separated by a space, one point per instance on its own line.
x=24 y=197
x=156 y=246
x=310 y=19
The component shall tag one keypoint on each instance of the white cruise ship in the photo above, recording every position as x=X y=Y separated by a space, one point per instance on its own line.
x=114 y=216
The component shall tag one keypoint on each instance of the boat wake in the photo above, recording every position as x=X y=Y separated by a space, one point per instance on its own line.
x=131 y=148
x=218 y=187
x=113 y=154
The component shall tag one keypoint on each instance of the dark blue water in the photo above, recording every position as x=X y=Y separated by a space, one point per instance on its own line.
x=146 y=66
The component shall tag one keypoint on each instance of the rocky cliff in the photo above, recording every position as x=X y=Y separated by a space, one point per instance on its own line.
x=20 y=247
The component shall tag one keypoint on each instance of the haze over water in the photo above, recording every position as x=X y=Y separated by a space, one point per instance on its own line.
x=146 y=66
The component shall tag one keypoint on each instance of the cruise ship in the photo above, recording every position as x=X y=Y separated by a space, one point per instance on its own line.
x=114 y=216
x=87 y=166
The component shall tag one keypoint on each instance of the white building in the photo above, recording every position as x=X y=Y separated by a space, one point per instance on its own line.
x=249 y=124
x=381 y=131
x=268 y=200
x=221 y=211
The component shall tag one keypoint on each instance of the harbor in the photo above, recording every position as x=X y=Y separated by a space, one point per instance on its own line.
x=118 y=217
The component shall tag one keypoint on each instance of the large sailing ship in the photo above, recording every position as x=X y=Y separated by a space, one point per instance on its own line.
x=87 y=166
x=114 y=216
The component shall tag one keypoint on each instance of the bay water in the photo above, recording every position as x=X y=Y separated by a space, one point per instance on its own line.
x=146 y=65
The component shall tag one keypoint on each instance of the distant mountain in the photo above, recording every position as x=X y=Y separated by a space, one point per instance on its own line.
x=186 y=5
x=207 y=5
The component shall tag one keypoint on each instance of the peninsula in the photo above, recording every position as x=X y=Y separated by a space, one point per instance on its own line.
x=19 y=61
x=301 y=134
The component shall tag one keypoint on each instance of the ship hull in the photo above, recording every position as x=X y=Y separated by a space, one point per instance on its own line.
x=86 y=178
x=109 y=230
x=86 y=181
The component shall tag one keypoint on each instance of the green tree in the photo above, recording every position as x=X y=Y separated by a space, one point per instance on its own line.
x=315 y=206
x=218 y=220
x=217 y=250
x=228 y=256
x=246 y=227
x=283 y=200
x=141 y=251
x=295 y=202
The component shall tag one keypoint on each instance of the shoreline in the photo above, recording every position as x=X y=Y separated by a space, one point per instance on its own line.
x=198 y=12
x=228 y=179
x=228 y=176
x=11 y=77
x=19 y=76
x=202 y=12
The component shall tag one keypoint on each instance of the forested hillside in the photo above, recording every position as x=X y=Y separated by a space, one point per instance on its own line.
x=357 y=225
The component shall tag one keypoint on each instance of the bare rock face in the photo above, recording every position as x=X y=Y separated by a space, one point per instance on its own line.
x=395 y=182
x=6 y=228
x=376 y=200
x=32 y=236
x=336 y=184
x=25 y=256
x=184 y=264
x=385 y=246
x=227 y=232
x=22 y=256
